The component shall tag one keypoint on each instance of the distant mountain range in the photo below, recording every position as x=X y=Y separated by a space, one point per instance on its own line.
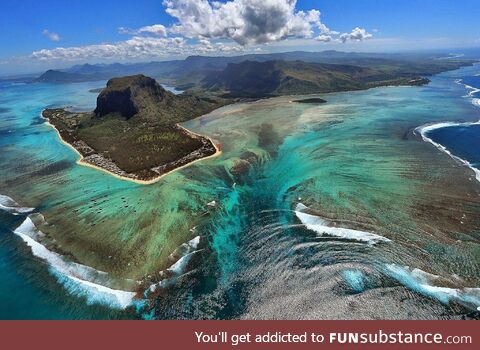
x=274 y=78
x=258 y=75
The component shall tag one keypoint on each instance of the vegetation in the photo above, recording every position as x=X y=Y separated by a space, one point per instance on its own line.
x=195 y=72
x=274 y=78
x=313 y=100
x=134 y=128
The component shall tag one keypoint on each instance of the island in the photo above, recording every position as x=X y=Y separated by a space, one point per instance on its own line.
x=134 y=132
x=312 y=100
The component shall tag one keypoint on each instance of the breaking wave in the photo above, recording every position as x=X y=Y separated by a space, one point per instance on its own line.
x=425 y=129
x=186 y=250
x=424 y=283
x=473 y=89
x=326 y=227
x=79 y=280
x=9 y=205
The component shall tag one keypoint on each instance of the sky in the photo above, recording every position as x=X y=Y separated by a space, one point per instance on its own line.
x=36 y=35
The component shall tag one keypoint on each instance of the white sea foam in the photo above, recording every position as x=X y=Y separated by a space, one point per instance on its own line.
x=473 y=90
x=96 y=293
x=8 y=204
x=425 y=129
x=181 y=264
x=325 y=227
x=77 y=279
x=424 y=283
x=194 y=242
x=189 y=250
x=178 y=268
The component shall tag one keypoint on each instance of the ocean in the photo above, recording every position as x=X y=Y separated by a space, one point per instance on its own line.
x=461 y=140
x=319 y=212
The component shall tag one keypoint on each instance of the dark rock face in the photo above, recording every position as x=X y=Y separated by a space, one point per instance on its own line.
x=116 y=101
x=129 y=96
x=142 y=99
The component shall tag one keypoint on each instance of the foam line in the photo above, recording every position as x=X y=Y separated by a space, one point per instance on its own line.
x=473 y=90
x=178 y=268
x=77 y=279
x=424 y=283
x=425 y=129
x=325 y=227
x=8 y=204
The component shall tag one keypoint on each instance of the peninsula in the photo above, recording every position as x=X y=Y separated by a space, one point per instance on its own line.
x=133 y=133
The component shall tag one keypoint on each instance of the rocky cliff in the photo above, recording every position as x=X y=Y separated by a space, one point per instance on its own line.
x=143 y=98
x=133 y=132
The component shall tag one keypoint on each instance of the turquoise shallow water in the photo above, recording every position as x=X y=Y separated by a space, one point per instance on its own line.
x=28 y=290
x=401 y=216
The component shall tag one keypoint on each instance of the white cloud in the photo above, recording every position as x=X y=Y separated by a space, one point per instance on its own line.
x=210 y=27
x=252 y=21
x=358 y=34
x=324 y=38
x=156 y=29
x=137 y=47
x=51 y=35
x=205 y=42
x=244 y=21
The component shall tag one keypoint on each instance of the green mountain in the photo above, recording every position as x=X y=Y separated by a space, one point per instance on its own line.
x=141 y=97
x=57 y=76
x=133 y=131
x=273 y=78
x=191 y=71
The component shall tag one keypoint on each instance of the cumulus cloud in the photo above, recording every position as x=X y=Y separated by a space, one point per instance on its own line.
x=357 y=34
x=210 y=27
x=135 y=48
x=51 y=35
x=244 y=21
x=324 y=38
x=156 y=29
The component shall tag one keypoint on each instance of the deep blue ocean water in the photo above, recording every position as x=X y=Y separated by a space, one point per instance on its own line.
x=463 y=140
x=254 y=239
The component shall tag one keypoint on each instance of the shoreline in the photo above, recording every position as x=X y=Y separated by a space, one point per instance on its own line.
x=82 y=161
x=424 y=129
x=218 y=152
x=90 y=165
